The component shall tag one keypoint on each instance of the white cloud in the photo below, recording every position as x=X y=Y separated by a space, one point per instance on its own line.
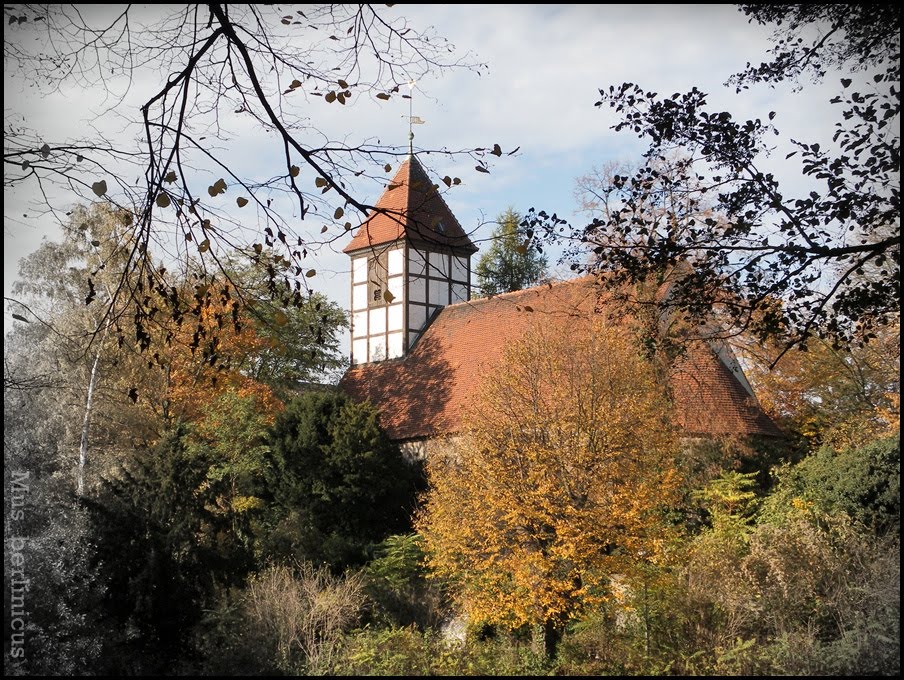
x=546 y=65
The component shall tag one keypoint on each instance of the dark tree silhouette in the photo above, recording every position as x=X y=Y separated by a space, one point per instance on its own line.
x=214 y=68
x=827 y=263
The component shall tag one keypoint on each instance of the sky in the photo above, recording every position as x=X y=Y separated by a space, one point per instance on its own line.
x=546 y=65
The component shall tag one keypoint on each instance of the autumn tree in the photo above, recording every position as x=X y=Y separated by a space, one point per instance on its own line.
x=209 y=355
x=509 y=264
x=233 y=335
x=561 y=480
x=837 y=396
x=114 y=398
x=832 y=256
x=214 y=70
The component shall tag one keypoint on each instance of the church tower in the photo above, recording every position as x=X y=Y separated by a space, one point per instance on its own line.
x=409 y=259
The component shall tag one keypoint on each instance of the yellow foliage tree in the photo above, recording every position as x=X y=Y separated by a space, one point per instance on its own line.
x=560 y=482
x=841 y=397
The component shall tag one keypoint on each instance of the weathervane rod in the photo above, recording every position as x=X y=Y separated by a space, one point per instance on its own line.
x=411 y=117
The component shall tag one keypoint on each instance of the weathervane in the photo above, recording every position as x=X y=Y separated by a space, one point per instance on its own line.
x=412 y=119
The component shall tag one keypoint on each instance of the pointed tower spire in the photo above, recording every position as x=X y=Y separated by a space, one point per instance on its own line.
x=411 y=208
x=410 y=258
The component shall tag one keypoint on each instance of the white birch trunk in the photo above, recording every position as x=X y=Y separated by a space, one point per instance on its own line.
x=83 y=447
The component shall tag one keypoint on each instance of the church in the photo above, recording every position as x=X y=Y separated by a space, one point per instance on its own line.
x=420 y=345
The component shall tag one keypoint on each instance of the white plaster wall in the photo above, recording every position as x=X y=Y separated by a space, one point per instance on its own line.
x=377 y=348
x=459 y=269
x=439 y=292
x=396 y=318
x=377 y=320
x=397 y=287
x=417 y=263
x=359 y=324
x=417 y=316
x=459 y=292
x=395 y=345
x=359 y=270
x=359 y=296
x=417 y=290
x=359 y=350
x=396 y=261
x=439 y=265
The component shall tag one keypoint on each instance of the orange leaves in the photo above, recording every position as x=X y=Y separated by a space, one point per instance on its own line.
x=209 y=354
x=569 y=455
x=840 y=397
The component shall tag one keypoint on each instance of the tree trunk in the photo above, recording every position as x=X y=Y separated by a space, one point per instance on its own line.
x=83 y=447
x=551 y=636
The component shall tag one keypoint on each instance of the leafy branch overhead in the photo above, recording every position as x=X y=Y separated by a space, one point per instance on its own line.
x=824 y=263
x=214 y=69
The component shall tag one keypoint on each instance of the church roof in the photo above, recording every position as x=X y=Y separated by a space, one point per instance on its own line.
x=427 y=392
x=411 y=207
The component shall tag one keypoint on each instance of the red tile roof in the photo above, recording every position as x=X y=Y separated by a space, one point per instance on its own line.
x=426 y=393
x=412 y=207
